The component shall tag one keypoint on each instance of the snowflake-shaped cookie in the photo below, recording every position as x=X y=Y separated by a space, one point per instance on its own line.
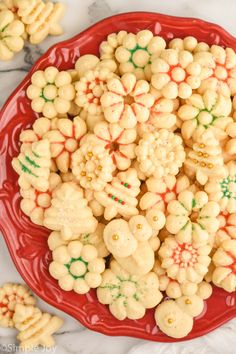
x=160 y=153
x=209 y=111
x=175 y=73
x=92 y=165
x=77 y=267
x=162 y=190
x=128 y=296
x=127 y=101
x=11 y=32
x=118 y=142
x=192 y=216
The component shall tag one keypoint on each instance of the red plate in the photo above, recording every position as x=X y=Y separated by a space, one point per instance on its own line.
x=27 y=242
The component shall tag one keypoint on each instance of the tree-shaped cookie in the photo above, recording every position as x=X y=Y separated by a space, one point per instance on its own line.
x=205 y=158
x=69 y=212
x=33 y=166
x=36 y=328
x=119 y=197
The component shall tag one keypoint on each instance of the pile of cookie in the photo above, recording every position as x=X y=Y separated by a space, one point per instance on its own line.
x=130 y=163
x=18 y=310
x=31 y=20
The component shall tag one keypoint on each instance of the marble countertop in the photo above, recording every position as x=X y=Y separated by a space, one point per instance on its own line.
x=74 y=338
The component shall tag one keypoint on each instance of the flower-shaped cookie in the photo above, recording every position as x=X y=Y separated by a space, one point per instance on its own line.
x=120 y=196
x=92 y=164
x=161 y=116
x=192 y=216
x=10 y=295
x=40 y=127
x=219 y=70
x=64 y=140
x=51 y=92
x=69 y=212
x=128 y=296
x=175 y=73
x=172 y=320
x=36 y=328
x=90 y=88
x=34 y=203
x=11 y=31
x=227 y=228
x=224 y=260
x=118 y=141
x=136 y=52
x=127 y=101
x=107 y=48
x=162 y=190
x=205 y=158
x=77 y=267
x=223 y=190
x=33 y=166
x=160 y=153
x=185 y=261
x=209 y=111
x=41 y=19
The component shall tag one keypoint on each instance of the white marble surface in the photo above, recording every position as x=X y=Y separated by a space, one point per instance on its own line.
x=74 y=338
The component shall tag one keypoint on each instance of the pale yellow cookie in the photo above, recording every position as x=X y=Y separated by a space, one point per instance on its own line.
x=172 y=320
x=41 y=19
x=223 y=190
x=107 y=48
x=227 y=228
x=34 y=203
x=160 y=153
x=51 y=92
x=90 y=88
x=209 y=111
x=192 y=216
x=10 y=295
x=185 y=261
x=175 y=73
x=205 y=158
x=120 y=196
x=224 y=260
x=11 y=32
x=69 y=212
x=219 y=70
x=128 y=296
x=192 y=305
x=119 y=142
x=36 y=328
x=136 y=52
x=127 y=101
x=160 y=191
x=33 y=166
x=77 y=267
x=92 y=164
x=188 y=43
x=64 y=140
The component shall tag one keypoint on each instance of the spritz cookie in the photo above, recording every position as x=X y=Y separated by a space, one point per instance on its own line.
x=77 y=267
x=127 y=101
x=69 y=212
x=227 y=228
x=175 y=73
x=10 y=295
x=11 y=32
x=160 y=153
x=128 y=296
x=51 y=92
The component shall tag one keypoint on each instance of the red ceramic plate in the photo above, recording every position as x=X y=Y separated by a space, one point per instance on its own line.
x=27 y=242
